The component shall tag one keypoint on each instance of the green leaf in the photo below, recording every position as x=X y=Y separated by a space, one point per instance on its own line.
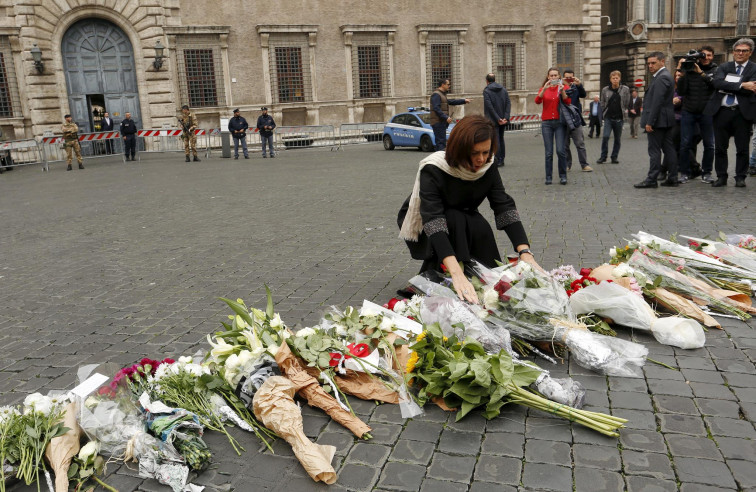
x=32 y=432
x=73 y=470
x=458 y=369
x=493 y=409
x=525 y=375
x=239 y=309
x=464 y=409
x=481 y=369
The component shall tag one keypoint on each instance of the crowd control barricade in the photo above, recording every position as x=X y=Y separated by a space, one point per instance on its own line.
x=93 y=145
x=303 y=137
x=360 y=133
x=23 y=152
x=168 y=140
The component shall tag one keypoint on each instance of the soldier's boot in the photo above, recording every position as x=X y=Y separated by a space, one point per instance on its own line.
x=81 y=166
x=187 y=157
x=196 y=159
x=69 y=168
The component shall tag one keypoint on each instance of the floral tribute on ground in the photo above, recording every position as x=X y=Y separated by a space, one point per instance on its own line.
x=431 y=348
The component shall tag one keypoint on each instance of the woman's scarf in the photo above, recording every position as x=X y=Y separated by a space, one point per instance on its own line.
x=413 y=222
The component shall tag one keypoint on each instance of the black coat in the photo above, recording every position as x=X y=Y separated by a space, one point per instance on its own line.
x=658 y=109
x=696 y=90
x=237 y=123
x=128 y=127
x=105 y=126
x=746 y=98
x=262 y=122
x=496 y=103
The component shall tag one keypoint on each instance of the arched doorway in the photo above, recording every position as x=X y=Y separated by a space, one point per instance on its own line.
x=98 y=61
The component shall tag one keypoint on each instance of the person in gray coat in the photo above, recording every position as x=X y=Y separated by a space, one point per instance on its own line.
x=497 y=107
x=658 y=119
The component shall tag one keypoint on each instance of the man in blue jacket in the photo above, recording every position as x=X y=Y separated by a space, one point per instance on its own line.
x=497 y=107
x=575 y=92
x=238 y=128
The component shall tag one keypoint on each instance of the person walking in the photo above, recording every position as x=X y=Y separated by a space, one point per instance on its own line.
x=552 y=129
x=634 y=112
x=238 y=127
x=439 y=115
x=575 y=91
x=497 y=107
x=615 y=101
x=265 y=125
x=658 y=119
x=71 y=142
x=189 y=123
x=734 y=111
x=128 y=133
x=594 y=117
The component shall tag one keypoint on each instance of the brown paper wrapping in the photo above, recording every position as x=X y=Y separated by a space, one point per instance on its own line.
x=274 y=406
x=684 y=306
x=309 y=388
x=362 y=385
x=63 y=448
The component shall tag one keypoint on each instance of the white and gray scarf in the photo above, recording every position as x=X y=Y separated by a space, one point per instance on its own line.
x=413 y=222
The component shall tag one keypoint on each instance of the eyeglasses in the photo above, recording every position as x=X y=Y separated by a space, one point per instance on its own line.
x=741 y=51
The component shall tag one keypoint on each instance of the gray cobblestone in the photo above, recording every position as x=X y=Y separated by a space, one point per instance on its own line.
x=643 y=441
x=368 y=454
x=744 y=472
x=432 y=485
x=401 y=476
x=730 y=427
x=498 y=469
x=592 y=479
x=647 y=464
x=630 y=400
x=682 y=424
x=709 y=472
x=675 y=404
x=452 y=468
x=694 y=447
x=421 y=431
x=555 y=453
x=547 y=477
x=645 y=484
x=416 y=452
x=734 y=448
x=456 y=442
x=708 y=390
x=718 y=408
x=592 y=456
x=354 y=476
x=548 y=429
x=504 y=444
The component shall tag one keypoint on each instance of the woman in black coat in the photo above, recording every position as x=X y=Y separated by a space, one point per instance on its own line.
x=440 y=220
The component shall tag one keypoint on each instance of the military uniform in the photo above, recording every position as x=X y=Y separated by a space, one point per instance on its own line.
x=71 y=143
x=189 y=124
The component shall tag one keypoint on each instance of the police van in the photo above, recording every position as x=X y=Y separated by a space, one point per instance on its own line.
x=411 y=129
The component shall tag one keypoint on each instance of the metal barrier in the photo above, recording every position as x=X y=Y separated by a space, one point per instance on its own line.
x=93 y=145
x=360 y=133
x=299 y=137
x=22 y=153
x=167 y=140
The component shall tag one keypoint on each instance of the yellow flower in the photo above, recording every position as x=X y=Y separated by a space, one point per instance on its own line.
x=413 y=358
x=422 y=335
x=446 y=339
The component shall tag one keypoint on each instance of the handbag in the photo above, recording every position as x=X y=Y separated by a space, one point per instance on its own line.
x=569 y=115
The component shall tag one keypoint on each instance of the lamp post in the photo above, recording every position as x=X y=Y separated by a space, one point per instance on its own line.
x=37 y=57
x=608 y=20
x=159 y=49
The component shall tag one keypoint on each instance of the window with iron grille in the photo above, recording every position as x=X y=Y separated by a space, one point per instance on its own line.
x=715 y=11
x=371 y=65
x=506 y=65
x=655 y=11
x=743 y=24
x=200 y=71
x=290 y=68
x=442 y=59
x=685 y=11
x=565 y=56
x=10 y=104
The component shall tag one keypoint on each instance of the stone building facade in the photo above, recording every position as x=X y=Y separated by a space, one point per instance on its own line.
x=309 y=61
x=673 y=27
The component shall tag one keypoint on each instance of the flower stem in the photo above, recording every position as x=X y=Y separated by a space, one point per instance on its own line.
x=104 y=485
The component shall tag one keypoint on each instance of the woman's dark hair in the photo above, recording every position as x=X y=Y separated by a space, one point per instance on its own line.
x=552 y=69
x=469 y=131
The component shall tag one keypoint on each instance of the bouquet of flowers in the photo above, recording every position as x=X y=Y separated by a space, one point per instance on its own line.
x=744 y=241
x=10 y=437
x=466 y=377
x=727 y=253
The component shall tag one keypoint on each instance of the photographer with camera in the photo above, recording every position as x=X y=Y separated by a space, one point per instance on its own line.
x=707 y=63
x=696 y=89
x=574 y=89
x=550 y=95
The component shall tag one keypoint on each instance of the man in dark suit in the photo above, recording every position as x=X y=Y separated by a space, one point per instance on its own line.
x=594 y=117
x=733 y=106
x=634 y=112
x=658 y=118
x=106 y=125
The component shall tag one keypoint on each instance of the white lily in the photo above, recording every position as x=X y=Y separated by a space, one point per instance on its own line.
x=240 y=323
x=276 y=321
x=259 y=315
x=305 y=332
x=612 y=252
x=89 y=451
x=220 y=349
x=254 y=342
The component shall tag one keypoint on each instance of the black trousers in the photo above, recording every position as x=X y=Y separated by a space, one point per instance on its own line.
x=501 y=153
x=730 y=123
x=129 y=145
x=661 y=140
x=594 y=123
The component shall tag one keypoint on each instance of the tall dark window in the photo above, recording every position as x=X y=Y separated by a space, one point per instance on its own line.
x=369 y=66
x=6 y=106
x=618 y=13
x=565 y=56
x=506 y=65
x=200 y=77
x=441 y=63
x=289 y=74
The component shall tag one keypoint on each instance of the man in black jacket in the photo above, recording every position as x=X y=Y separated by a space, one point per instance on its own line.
x=733 y=106
x=497 y=106
x=575 y=91
x=439 y=115
x=128 y=132
x=106 y=125
x=695 y=88
x=265 y=126
x=238 y=128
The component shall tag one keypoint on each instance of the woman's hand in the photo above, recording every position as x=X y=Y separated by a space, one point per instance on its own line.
x=530 y=259
x=465 y=289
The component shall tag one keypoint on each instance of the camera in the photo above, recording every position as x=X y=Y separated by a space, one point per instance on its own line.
x=555 y=81
x=690 y=59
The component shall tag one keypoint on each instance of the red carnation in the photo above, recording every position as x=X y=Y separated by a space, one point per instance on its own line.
x=392 y=302
x=570 y=292
x=584 y=272
x=443 y=268
x=168 y=360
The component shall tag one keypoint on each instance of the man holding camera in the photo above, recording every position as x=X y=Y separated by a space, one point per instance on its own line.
x=575 y=91
x=695 y=88
x=733 y=107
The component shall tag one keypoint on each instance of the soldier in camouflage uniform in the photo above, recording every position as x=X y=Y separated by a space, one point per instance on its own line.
x=189 y=123
x=71 y=141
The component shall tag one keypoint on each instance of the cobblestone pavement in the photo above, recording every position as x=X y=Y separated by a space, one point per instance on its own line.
x=124 y=260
